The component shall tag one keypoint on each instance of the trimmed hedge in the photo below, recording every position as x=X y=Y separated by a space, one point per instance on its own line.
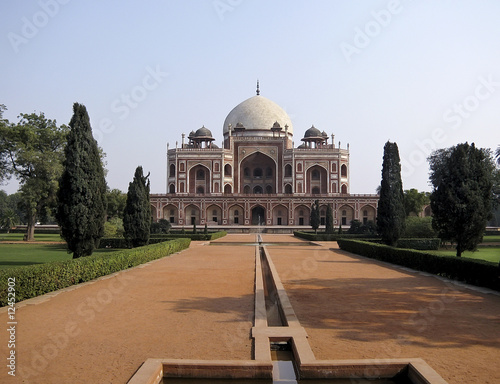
x=121 y=243
x=311 y=236
x=431 y=244
x=35 y=280
x=194 y=237
x=471 y=271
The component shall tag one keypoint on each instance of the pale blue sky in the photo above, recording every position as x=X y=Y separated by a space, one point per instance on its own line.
x=425 y=74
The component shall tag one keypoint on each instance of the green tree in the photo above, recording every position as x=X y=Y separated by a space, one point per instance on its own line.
x=4 y=144
x=8 y=219
x=82 y=188
x=329 y=220
x=116 y=201
x=161 y=227
x=356 y=227
x=414 y=201
x=315 y=216
x=32 y=151
x=419 y=227
x=462 y=179
x=391 y=211
x=137 y=215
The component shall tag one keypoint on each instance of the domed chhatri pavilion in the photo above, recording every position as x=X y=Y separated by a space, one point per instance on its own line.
x=258 y=177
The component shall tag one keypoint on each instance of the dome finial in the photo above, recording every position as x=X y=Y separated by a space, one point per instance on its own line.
x=258 y=90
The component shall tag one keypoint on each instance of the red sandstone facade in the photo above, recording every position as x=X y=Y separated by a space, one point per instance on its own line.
x=258 y=177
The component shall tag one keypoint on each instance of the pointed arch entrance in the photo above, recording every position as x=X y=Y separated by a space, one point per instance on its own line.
x=258 y=215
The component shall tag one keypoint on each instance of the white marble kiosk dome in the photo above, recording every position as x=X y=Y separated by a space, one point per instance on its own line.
x=258 y=114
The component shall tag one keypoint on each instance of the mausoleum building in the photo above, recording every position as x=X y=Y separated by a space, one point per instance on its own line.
x=258 y=176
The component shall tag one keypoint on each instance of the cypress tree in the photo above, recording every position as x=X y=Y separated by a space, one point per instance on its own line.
x=391 y=210
x=315 y=217
x=462 y=177
x=137 y=215
x=81 y=196
x=329 y=219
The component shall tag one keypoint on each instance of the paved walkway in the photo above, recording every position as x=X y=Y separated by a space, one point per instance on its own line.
x=198 y=304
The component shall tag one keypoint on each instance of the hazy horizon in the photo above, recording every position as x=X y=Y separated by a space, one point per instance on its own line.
x=423 y=74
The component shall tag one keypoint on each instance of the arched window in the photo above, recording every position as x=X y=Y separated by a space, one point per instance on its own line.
x=315 y=174
x=343 y=170
x=334 y=167
x=200 y=190
x=181 y=167
x=200 y=174
x=288 y=189
x=171 y=188
x=365 y=212
x=227 y=170
x=299 y=167
x=344 y=189
x=299 y=187
x=257 y=172
x=216 y=167
x=246 y=172
x=172 y=170
x=269 y=189
x=257 y=190
x=181 y=187
x=227 y=189
x=246 y=189
x=288 y=170
x=216 y=187
x=344 y=212
x=269 y=172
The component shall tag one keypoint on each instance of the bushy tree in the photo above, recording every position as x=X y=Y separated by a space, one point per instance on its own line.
x=116 y=200
x=329 y=219
x=462 y=177
x=419 y=227
x=357 y=227
x=137 y=215
x=161 y=227
x=82 y=188
x=315 y=216
x=32 y=151
x=414 y=201
x=391 y=211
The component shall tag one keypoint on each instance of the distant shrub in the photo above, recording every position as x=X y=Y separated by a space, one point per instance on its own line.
x=471 y=271
x=35 y=280
x=321 y=236
x=357 y=227
x=419 y=227
x=162 y=226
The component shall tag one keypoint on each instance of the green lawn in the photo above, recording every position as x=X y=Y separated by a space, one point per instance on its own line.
x=38 y=237
x=486 y=253
x=17 y=255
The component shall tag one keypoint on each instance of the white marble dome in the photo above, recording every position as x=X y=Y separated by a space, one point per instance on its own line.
x=258 y=114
